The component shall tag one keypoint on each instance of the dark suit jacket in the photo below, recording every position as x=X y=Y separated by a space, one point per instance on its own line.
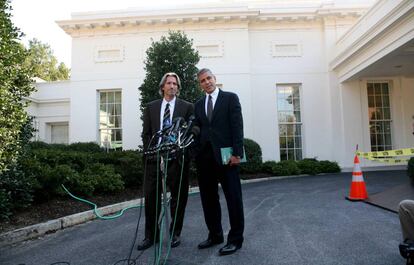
x=226 y=127
x=151 y=124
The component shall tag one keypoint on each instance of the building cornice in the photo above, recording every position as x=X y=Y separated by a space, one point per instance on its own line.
x=129 y=19
x=47 y=101
x=372 y=25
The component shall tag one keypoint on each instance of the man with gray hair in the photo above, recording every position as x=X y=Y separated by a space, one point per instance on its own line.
x=158 y=115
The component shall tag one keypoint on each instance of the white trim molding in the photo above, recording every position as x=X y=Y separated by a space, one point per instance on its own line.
x=109 y=54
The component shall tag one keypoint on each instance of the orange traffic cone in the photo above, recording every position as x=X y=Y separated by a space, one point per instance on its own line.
x=358 y=190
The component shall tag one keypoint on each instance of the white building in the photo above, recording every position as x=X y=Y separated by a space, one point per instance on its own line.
x=315 y=78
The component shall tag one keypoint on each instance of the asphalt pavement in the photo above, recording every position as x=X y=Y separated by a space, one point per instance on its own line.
x=303 y=220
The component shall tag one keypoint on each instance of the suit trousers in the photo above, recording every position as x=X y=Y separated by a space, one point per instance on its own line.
x=210 y=174
x=406 y=214
x=153 y=191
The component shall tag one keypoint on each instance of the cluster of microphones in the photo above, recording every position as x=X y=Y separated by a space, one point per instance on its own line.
x=174 y=137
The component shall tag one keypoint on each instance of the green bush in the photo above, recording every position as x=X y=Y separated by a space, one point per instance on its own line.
x=326 y=166
x=410 y=169
x=17 y=190
x=309 y=166
x=286 y=168
x=103 y=177
x=53 y=157
x=16 y=187
x=253 y=157
x=128 y=164
x=267 y=167
x=5 y=204
x=90 y=147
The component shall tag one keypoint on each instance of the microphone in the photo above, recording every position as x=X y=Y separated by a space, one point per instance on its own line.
x=189 y=126
x=195 y=131
x=176 y=124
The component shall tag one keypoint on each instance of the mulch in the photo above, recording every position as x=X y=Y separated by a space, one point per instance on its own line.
x=60 y=207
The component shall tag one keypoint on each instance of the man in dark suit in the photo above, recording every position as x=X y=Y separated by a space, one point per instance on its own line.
x=159 y=114
x=218 y=114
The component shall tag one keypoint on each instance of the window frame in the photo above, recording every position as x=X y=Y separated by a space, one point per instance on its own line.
x=298 y=123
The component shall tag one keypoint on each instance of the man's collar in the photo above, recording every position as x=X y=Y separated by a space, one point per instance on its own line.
x=172 y=102
x=215 y=93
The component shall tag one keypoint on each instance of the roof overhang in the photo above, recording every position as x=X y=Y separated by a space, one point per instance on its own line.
x=271 y=11
x=381 y=43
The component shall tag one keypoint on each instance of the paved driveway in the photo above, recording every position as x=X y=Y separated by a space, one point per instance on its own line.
x=303 y=220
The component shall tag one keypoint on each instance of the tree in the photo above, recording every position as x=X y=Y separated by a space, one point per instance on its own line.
x=173 y=53
x=44 y=64
x=15 y=84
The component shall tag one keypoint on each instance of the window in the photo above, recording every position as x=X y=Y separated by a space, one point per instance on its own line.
x=110 y=119
x=290 y=122
x=59 y=133
x=379 y=116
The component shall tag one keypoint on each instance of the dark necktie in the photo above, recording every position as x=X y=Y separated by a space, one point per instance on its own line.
x=210 y=108
x=166 y=118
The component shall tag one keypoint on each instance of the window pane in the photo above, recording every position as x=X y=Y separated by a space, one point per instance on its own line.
x=370 y=89
x=377 y=88
x=288 y=99
x=385 y=89
x=386 y=101
x=118 y=109
x=379 y=116
x=291 y=154
x=103 y=97
x=297 y=116
x=290 y=130
x=387 y=113
x=282 y=142
x=290 y=142
x=283 y=154
x=111 y=97
x=110 y=118
x=378 y=101
x=117 y=97
x=298 y=153
x=298 y=142
x=118 y=122
x=282 y=130
x=370 y=101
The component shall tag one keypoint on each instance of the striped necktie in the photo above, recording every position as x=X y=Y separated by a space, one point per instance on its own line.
x=166 y=118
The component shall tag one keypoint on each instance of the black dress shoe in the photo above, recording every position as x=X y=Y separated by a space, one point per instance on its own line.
x=175 y=242
x=210 y=242
x=146 y=243
x=230 y=248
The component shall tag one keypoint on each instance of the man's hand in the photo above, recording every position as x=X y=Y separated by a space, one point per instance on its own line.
x=234 y=160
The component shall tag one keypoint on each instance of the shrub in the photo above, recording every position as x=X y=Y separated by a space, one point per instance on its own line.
x=90 y=147
x=410 y=169
x=103 y=178
x=285 y=168
x=50 y=179
x=16 y=187
x=5 y=205
x=130 y=167
x=267 y=167
x=129 y=164
x=326 y=166
x=309 y=166
x=53 y=157
x=253 y=157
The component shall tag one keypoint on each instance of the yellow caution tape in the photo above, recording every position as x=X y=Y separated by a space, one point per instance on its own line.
x=388 y=153
x=389 y=160
x=388 y=156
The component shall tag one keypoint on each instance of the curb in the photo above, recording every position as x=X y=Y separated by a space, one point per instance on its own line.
x=38 y=230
